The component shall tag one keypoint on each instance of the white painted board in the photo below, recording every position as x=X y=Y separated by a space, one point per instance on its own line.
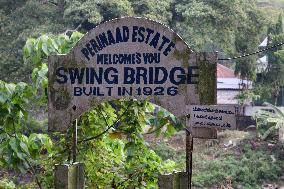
x=129 y=58
x=212 y=116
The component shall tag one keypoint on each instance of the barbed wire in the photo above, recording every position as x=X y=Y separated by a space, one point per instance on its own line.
x=250 y=54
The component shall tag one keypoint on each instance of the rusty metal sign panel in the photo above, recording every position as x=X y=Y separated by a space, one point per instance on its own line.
x=221 y=116
x=130 y=58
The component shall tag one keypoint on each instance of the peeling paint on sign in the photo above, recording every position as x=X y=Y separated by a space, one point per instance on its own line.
x=130 y=58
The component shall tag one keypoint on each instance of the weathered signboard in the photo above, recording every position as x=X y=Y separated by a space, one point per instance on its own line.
x=129 y=58
x=221 y=116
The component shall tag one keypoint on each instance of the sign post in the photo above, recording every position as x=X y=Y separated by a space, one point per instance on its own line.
x=189 y=150
x=210 y=117
x=130 y=58
x=75 y=140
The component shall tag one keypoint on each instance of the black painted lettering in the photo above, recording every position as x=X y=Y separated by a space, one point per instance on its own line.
x=149 y=33
x=134 y=33
x=110 y=37
x=103 y=39
x=165 y=40
x=77 y=91
x=109 y=91
x=100 y=58
x=141 y=34
x=192 y=74
x=129 y=75
x=181 y=76
x=94 y=76
x=118 y=35
x=169 y=49
x=141 y=73
x=95 y=45
x=86 y=92
x=125 y=33
x=76 y=75
x=155 y=40
x=90 y=49
x=160 y=77
x=60 y=75
x=85 y=53
x=111 y=78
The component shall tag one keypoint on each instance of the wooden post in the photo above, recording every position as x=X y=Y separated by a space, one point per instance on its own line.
x=178 y=180
x=69 y=176
x=190 y=158
x=74 y=148
x=189 y=149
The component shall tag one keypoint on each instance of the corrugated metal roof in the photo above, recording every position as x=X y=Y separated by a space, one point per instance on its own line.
x=232 y=83
x=264 y=43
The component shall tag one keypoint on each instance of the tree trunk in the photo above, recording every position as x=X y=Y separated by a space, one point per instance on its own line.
x=274 y=100
x=275 y=94
x=281 y=135
x=61 y=7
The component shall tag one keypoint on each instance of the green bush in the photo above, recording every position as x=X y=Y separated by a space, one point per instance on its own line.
x=250 y=169
x=7 y=184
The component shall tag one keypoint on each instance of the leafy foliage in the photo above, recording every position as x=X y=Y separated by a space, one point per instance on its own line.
x=19 y=21
x=240 y=170
x=6 y=184
x=110 y=135
x=269 y=122
x=17 y=150
x=272 y=78
x=246 y=95
x=111 y=140
x=229 y=26
x=247 y=39
x=122 y=161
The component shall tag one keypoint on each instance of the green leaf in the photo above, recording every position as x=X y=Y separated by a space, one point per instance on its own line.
x=13 y=145
x=76 y=36
x=28 y=48
x=161 y=114
x=24 y=148
x=55 y=45
x=10 y=87
x=170 y=129
x=41 y=75
x=45 y=48
x=20 y=88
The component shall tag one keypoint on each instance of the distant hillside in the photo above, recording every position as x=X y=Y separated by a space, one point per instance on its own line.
x=272 y=7
x=272 y=3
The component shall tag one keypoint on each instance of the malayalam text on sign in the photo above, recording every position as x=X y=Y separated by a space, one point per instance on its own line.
x=221 y=116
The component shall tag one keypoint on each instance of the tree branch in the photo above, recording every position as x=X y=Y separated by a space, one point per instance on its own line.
x=35 y=174
x=51 y=2
x=109 y=126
